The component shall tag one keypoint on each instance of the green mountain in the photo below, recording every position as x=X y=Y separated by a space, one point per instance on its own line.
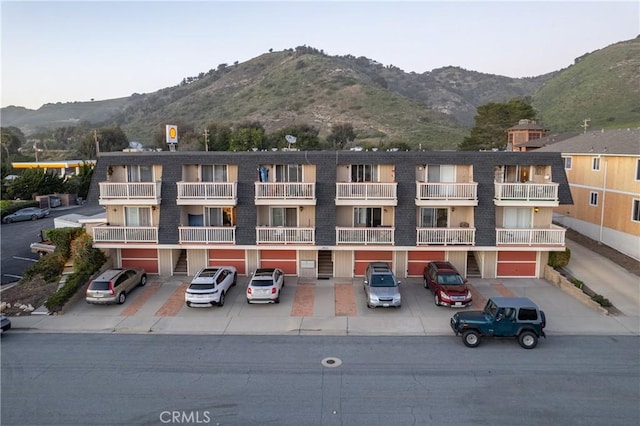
x=383 y=103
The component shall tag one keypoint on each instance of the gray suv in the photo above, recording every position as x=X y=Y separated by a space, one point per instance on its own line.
x=381 y=287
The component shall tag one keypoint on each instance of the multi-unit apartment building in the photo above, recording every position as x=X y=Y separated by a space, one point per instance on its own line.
x=321 y=214
x=603 y=171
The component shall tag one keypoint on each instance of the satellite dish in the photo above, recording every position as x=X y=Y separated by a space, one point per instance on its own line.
x=135 y=145
x=291 y=139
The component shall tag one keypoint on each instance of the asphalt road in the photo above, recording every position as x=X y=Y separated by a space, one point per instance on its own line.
x=81 y=379
x=16 y=238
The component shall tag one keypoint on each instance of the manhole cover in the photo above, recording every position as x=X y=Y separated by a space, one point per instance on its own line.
x=331 y=362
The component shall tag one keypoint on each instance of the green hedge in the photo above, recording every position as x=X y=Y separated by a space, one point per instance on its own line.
x=49 y=267
x=559 y=259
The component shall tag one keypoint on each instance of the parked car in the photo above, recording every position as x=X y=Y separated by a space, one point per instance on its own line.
x=28 y=213
x=210 y=286
x=265 y=286
x=381 y=287
x=447 y=285
x=5 y=323
x=113 y=285
x=502 y=317
x=54 y=201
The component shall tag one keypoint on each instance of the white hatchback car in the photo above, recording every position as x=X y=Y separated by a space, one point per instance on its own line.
x=210 y=286
x=265 y=286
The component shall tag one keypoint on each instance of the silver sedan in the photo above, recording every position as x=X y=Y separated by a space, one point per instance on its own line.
x=28 y=213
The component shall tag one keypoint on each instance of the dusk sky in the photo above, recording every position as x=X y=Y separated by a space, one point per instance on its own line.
x=79 y=50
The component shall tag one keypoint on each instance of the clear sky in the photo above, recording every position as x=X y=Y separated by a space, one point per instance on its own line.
x=78 y=50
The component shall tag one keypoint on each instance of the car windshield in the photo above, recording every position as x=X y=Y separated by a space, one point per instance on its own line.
x=383 y=280
x=261 y=283
x=99 y=285
x=207 y=286
x=450 y=279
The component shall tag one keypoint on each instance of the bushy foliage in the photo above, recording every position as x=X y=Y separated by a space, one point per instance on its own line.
x=49 y=267
x=35 y=182
x=86 y=258
x=57 y=300
x=559 y=259
x=62 y=238
x=79 y=183
x=341 y=135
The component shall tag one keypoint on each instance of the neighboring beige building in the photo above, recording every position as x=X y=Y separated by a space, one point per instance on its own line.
x=603 y=170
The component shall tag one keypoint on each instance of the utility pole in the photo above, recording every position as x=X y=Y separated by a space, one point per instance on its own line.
x=585 y=124
x=206 y=139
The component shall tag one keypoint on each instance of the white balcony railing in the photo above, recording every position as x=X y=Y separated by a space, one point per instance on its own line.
x=447 y=191
x=446 y=236
x=130 y=191
x=207 y=234
x=125 y=234
x=526 y=191
x=284 y=235
x=365 y=236
x=366 y=191
x=552 y=236
x=207 y=191
x=285 y=190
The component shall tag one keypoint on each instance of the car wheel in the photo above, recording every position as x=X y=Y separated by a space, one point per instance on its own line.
x=276 y=300
x=188 y=304
x=8 y=220
x=424 y=283
x=235 y=279
x=471 y=338
x=248 y=301
x=122 y=297
x=528 y=339
x=34 y=217
x=143 y=281
x=436 y=299
x=221 y=302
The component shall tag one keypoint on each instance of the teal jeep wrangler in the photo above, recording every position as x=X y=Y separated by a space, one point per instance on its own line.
x=502 y=317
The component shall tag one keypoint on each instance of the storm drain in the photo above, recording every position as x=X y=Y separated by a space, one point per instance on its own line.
x=331 y=362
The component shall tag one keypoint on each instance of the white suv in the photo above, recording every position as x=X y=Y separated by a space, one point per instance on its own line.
x=210 y=286
x=265 y=286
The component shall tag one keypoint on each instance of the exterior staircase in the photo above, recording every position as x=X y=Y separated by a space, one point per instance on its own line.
x=473 y=271
x=325 y=265
x=181 y=264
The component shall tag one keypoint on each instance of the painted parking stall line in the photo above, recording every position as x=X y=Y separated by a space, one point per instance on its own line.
x=303 y=300
x=345 y=300
x=134 y=306
x=174 y=303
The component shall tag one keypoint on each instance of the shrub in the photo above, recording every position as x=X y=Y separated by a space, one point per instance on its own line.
x=559 y=259
x=577 y=283
x=62 y=238
x=56 y=301
x=603 y=301
x=49 y=267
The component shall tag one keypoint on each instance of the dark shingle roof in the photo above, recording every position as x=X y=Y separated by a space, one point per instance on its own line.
x=619 y=141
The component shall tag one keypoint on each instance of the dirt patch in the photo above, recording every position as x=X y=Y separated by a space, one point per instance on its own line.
x=624 y=261
x=33 y=293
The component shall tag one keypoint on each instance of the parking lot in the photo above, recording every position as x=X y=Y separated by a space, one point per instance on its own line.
x=329 y=307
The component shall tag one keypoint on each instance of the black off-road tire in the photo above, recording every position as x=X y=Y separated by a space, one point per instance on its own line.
x=471 y=338
x=528 y=339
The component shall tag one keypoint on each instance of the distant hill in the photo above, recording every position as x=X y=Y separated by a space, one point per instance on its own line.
x=384 y=103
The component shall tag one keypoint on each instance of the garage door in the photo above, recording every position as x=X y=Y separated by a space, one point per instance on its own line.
x=140 y=258
x=228 y=257
x=283 y=259
x=362 y=258
x=517 y=264
x=418 y=259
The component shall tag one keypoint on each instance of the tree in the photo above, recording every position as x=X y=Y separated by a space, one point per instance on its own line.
x=341 y=135
x=12 y=140
x=492 y=121
x=246 y=136
x=219 y=136
x=79 y=183
x=188 y=138
x=35 y=182
x=306 y=137
x=109 y=139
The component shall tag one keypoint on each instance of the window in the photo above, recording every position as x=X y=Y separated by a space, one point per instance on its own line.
x=593 y=199
x=288 y=173
x=367 y=216
x=434 y=218
x=568 y=162
x=364 y=173
x=138 y=216
x=638 y=170
x=517 y=217
x=595 y=165
x=527 y=314
x=284 y=216
x=218 y=216
x=139 y=174
x=635 y=211
x=213 y=173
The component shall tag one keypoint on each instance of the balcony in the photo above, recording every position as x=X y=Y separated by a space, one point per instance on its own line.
x=125 y=234
x=446 y=194
x=284 y=235
x=127 y=193
x=366 y=236
x=552 y=236
x=285 y=193
x=207 y=194
x=526 y=194
x=446 y=236
x=366 y=193
x=207 y=234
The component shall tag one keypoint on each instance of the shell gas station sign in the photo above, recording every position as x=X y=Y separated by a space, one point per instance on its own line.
x=172 y=134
